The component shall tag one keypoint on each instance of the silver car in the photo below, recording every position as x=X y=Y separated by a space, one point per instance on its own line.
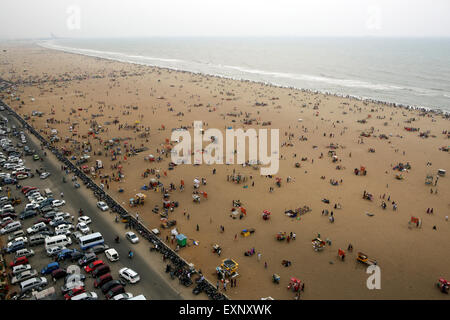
x=25 y=275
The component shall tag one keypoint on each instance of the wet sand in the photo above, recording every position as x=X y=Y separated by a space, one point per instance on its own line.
x=71 y=88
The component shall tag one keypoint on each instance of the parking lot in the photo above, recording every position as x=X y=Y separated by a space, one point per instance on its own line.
x=153 y=283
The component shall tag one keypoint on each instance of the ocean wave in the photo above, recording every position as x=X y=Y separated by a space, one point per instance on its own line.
x=220 y=70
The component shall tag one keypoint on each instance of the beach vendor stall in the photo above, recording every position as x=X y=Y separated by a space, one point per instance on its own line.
x=295 y=285
x=181 y=240
x=228 y=269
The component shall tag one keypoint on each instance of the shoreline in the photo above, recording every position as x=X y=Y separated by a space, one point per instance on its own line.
x=78 y=89
x=435 y=111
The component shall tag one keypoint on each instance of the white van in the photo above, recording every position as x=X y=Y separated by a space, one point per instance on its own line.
x=61 y=240
x=48 y=193
x=13 y=226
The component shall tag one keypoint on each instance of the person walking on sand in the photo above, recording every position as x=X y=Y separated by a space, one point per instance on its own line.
x=259 y=257
x=265 y=264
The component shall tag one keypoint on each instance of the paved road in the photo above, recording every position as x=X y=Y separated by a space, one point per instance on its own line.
x=154 y=283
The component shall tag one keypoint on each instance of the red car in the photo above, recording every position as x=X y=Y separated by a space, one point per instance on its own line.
x=19 y=261
x=72 y=293
x=93 y=265
x=44 y=220
x=25 y=189
x=28 y=189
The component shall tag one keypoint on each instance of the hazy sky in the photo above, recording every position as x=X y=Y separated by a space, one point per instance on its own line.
x=140 y=18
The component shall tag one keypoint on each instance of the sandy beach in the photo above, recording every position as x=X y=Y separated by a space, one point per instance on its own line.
x=89 y=101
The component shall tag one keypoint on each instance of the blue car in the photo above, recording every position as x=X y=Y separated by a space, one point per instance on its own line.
x=50 y=267
x=66 y=254
x=16 y=246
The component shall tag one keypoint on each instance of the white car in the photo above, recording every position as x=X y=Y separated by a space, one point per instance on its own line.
x=53 y=251
x=129 y=275
x=103 y=206
x=112 y=255
x=132 y=237
x=36 y=228
x=84 y=219
x=83 y=227
x=64 y=226
x=20 y=268
x=65 y=215
x=58 y=203
x=8 y=207
x=31 y=206
x=56 y=220
x=38 y=200
x=85 y=296
x=44 y=175
x=123 y=296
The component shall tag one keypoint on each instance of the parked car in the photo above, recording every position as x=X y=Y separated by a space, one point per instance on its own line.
x=130 y=275
x=25 y=275
x=27 y=214
x=123 y=296
x=112 y=255
x=70 y=285
x=85 y=296
x=102 y=206
x=54 y=250
x=24 y=253
x=87 y=259
x=93 y=265
x=115 y=291
x=100 y=281
x=74 y=292
x=58 y=273
x=75 y=255
x=16 y=245
x=16 y=234
x=37 y=239
x=20 y=268
x=98 y=248
x=40 y=226
x=19 y=261
x=83 y=228
x=101 y=270
x=65 y=254
x=111 y=284
x=58 y=203
x=132 y=237
x=84 y=219
x=50 y=267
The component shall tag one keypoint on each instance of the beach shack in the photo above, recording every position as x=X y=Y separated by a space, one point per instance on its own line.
x=181 y=240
